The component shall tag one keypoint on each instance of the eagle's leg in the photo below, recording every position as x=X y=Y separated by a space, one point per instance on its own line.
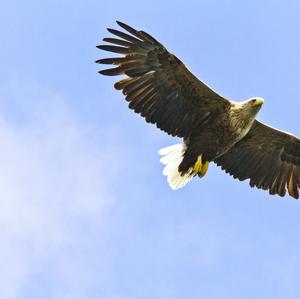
x=200 y=169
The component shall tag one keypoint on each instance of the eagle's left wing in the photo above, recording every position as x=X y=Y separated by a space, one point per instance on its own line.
x=158 y=85
x=268 y=157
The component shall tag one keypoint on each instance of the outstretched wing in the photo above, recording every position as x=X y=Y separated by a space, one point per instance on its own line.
x=268 y=157
x=158 y=85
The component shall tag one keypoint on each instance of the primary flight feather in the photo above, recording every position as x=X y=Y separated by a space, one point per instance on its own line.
x=161 y=89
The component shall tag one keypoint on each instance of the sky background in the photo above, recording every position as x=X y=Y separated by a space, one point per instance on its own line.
x=84 y=209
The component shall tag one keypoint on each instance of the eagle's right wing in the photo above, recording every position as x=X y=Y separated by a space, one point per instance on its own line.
x=268 y=157
x=158 y=85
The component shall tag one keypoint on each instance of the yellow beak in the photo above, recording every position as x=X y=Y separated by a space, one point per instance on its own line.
x=259 y=102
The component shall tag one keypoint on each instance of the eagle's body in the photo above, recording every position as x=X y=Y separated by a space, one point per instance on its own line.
x=232 y=126
x=214 y=129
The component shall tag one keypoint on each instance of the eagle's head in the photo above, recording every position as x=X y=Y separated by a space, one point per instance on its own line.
x=254 y=103
x=244 y=113
x=250 y=108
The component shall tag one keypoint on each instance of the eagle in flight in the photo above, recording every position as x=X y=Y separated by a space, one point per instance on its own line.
x=160 y=88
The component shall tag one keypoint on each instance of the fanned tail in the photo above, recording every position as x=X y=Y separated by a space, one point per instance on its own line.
x=172 y=157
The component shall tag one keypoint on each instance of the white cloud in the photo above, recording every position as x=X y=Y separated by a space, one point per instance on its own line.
x=53 y=188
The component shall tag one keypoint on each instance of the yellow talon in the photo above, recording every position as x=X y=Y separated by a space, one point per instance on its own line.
x=203 y=169
x=198 y=164
x=200 y=168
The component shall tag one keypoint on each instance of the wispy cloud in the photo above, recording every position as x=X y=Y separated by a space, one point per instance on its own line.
x=54 y=186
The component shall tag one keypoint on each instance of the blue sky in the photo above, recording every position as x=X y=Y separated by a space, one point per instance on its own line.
x=84 y=209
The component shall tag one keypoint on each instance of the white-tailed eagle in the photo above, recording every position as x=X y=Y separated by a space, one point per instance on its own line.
x=159 y=87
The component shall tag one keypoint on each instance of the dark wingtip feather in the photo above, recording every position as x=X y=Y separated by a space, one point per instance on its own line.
x=115 y=49
x=118 y=86
x=105 y=72
x=102 y=72
x=102 y=61
x=149 y=38
x=110 y=30
x=115 y=60
x=122 y=83
x=120 y=23
x=124 y=36
x=128 y=28
x=117 y=41
x=112 y=72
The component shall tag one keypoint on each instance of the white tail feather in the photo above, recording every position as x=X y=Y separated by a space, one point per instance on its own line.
x=172 y=157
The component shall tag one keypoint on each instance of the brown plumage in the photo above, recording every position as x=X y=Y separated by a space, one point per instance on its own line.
x=161 y=89
x=268 y=157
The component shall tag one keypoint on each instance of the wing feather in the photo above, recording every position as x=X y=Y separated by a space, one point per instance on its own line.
x=268 y=157
x=117 y=41
x=159 y=87
x=124 y=35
